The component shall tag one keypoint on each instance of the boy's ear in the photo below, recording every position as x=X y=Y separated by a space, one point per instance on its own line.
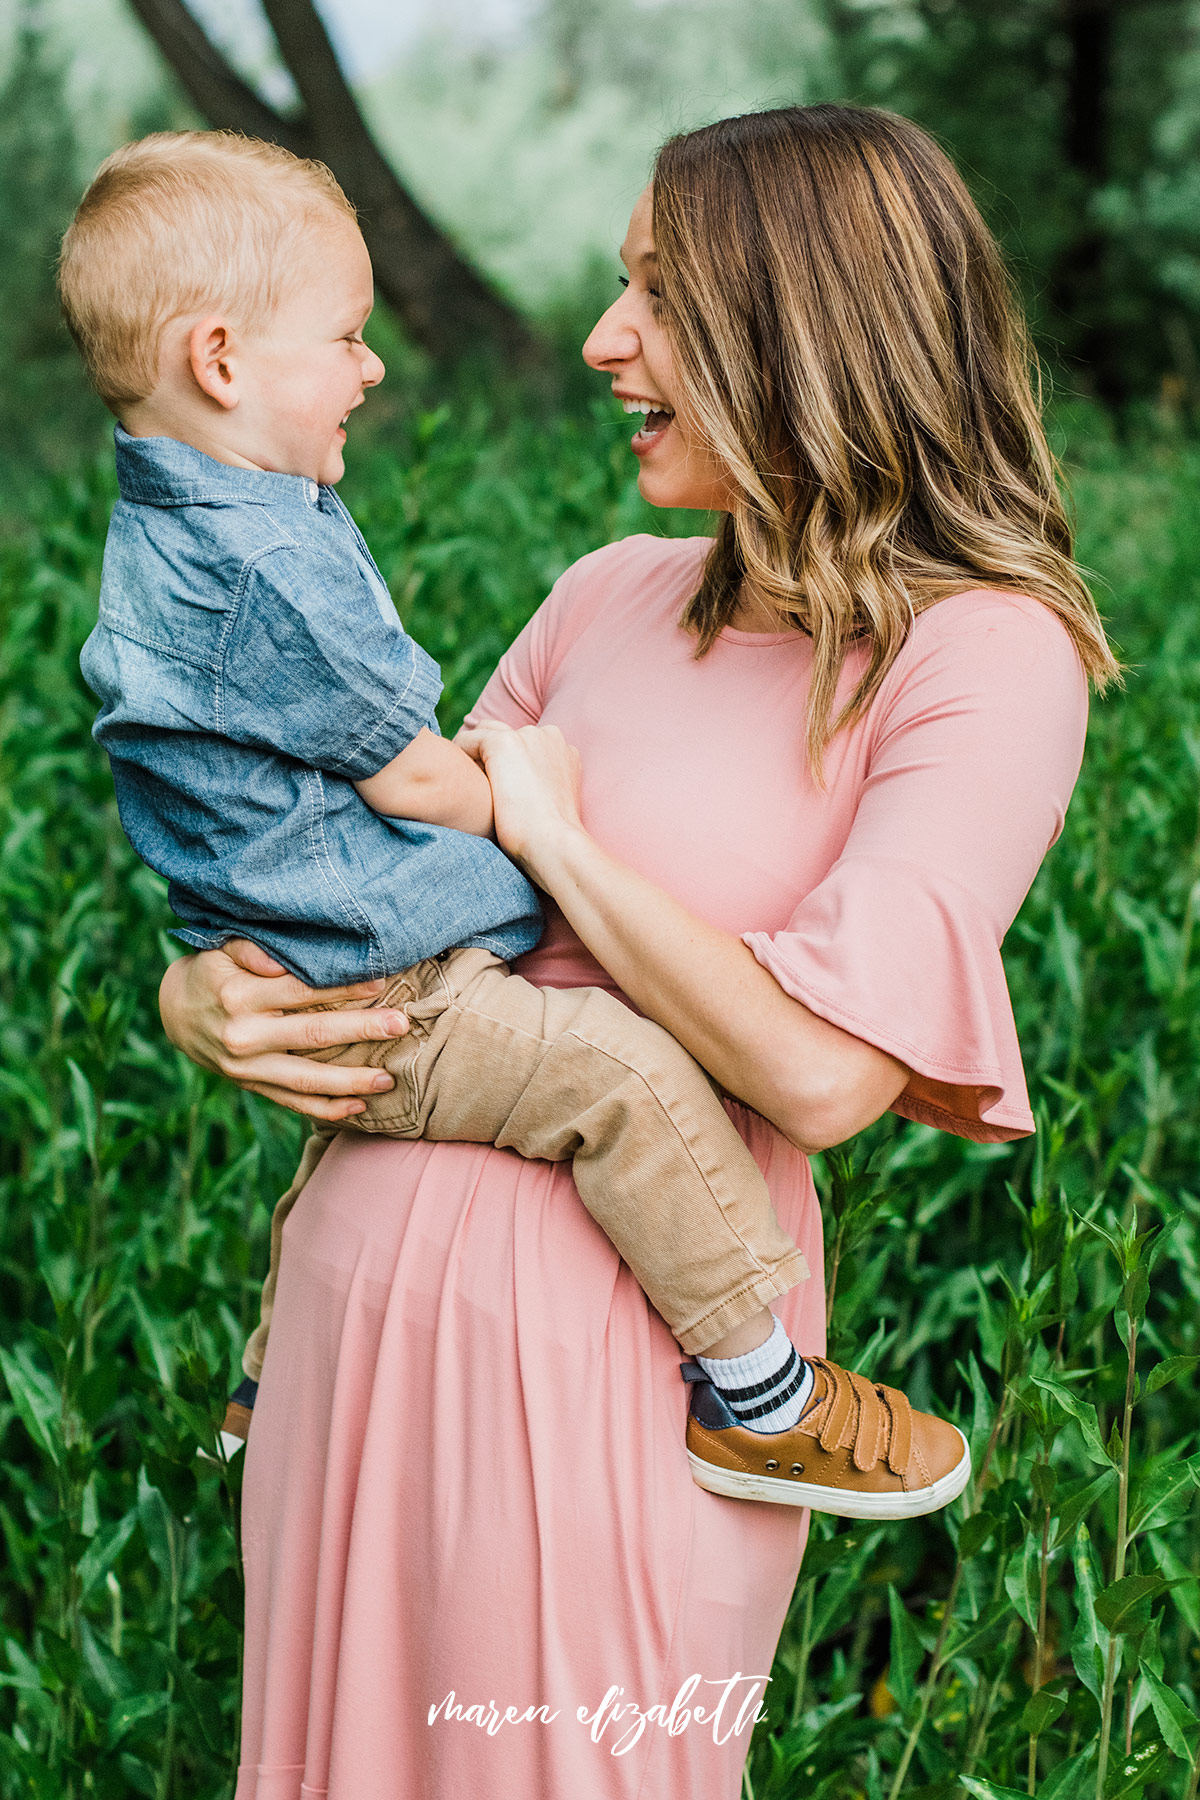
x=211 y=356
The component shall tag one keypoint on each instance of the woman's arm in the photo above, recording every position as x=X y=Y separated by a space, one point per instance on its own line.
x=817 y=1083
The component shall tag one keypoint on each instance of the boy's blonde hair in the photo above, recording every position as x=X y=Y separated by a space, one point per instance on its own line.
x=181 y=222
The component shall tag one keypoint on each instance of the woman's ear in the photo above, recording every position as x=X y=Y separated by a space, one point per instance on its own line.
x=212 y=359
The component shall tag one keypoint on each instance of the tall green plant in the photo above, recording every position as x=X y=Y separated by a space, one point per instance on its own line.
x=43 y=402
x=998 y=1648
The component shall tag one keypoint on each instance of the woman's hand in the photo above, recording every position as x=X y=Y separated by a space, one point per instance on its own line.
x=534 y=775
x=817 y=1083
x=235 y=1011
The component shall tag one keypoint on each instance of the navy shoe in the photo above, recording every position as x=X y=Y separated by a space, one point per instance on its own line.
x=235 y=1428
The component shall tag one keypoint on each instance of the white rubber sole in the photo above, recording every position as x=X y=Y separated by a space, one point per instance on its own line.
x=230 y=1443
x=843 y=1503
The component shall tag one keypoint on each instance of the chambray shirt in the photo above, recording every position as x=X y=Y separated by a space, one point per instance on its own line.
x=250 y=666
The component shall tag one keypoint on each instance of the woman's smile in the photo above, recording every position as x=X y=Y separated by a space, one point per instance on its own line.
x=630 y=343
x=657 y=417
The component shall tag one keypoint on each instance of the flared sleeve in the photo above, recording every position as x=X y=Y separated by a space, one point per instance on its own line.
x=974 y=744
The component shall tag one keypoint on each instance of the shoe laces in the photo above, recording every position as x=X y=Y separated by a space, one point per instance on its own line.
x=876 y=1421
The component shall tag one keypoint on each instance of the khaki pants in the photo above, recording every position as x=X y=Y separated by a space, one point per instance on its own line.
x=571 y=1073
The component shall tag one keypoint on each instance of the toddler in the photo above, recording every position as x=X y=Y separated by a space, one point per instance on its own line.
x=275 y=753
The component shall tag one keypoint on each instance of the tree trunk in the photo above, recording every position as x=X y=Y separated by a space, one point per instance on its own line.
x=439 y=298
x=1080 y=279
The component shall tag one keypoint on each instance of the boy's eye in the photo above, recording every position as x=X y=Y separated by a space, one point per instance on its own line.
x=624 y=280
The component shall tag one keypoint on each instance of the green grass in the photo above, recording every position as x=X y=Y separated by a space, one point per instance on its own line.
x=1017 y=1286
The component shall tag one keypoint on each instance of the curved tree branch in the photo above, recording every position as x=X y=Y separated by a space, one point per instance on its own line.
x=440 y=296
x=213 y=87
x=442 y=301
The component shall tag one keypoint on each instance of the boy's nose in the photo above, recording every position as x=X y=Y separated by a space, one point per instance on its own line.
x=373 y=369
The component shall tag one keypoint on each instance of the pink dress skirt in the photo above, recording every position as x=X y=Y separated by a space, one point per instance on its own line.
x=476 y=1562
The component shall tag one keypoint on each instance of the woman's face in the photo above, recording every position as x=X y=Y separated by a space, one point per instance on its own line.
x=630 y=344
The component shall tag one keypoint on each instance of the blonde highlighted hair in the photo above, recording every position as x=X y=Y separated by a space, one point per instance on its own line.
x=182 y=222
x=846 y=340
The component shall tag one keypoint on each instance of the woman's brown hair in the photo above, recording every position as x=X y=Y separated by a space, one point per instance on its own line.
x=846 y=339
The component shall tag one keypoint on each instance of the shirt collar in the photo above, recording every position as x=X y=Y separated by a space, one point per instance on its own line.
x=161 y=471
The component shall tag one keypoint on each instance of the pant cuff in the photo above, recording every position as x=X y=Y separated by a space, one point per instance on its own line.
x=697 y=1337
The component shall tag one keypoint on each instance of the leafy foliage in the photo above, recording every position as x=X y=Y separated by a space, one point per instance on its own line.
x=1044 y=1292
x=1076 y=127
x=42 y=400
x=1042 y=1635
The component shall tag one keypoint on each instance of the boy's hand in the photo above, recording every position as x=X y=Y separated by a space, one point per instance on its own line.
x=235 y=1011
x=535 y=778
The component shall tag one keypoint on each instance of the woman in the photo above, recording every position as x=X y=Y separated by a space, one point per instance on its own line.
x=821 y=761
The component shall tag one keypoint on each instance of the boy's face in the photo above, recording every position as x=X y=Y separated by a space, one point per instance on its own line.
x=308 y=367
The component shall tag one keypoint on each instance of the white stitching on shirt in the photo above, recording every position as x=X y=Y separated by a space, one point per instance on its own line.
x=328 y=870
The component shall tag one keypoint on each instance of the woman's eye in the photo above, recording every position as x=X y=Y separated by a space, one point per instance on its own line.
x=652 y=294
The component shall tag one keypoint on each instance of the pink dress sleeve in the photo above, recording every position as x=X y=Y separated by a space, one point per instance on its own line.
x=515 y=694
x=975 y=741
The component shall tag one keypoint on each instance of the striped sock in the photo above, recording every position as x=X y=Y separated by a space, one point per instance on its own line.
x=768 y=1388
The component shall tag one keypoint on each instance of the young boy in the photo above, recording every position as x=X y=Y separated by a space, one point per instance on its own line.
x=275 y=753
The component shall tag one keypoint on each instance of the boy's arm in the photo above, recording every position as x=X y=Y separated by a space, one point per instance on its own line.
x=432 y=780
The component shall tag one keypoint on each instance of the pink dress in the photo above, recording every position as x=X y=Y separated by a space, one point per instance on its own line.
x=468 y=1514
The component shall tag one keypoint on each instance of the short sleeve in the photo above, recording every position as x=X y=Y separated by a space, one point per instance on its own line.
x=976 y=739
x=516 y=693
x=641 y=565
x=314 y=670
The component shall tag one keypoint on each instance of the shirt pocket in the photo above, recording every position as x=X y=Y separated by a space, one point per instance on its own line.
x=170 y=586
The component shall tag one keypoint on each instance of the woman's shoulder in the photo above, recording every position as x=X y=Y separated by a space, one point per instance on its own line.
x=626 y=589
x=642 y=558
x=632 y=584
x=1003 y=659
x=993 y=632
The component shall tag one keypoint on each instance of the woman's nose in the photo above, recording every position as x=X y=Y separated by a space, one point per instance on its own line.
x=611 y=340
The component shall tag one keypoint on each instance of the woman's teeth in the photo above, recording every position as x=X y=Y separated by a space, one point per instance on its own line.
x=657 y=415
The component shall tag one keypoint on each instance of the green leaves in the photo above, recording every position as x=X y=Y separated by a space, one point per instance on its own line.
x=1082 y=1411
x=1176 y=1720
x=992 y=1282
x=1163 y=1495
x=907 y=1653
x=989 y=1790
x=36 y=1398
x=1089 y=1641
x=1124 y=1606
x=1170 y=1369
x=1041 y=1710
x=974 y=1533
x=1021 y=1581
x=1077 y=1501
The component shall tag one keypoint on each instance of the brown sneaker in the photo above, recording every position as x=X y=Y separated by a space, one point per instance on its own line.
x=860 y=1451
